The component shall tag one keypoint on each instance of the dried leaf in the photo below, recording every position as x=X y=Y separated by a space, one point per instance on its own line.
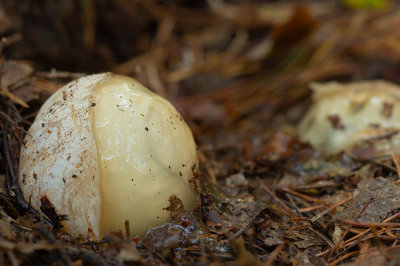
x=13 y=72
x=382 y=197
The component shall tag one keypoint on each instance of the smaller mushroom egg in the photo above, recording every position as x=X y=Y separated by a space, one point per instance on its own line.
x=361 y=115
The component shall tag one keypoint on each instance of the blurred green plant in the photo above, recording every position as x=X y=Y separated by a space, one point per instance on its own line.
x=355 y=4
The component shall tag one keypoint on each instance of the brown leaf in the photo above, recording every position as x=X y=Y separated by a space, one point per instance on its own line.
x=384 y=198
x=13 y=72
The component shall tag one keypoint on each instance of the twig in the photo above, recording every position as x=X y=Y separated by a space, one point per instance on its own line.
x=360 y=224
x=395 y=158
x=300 y=195
x=11 y=179
x=369 y=160
x=207 y=166
x=14 y=123
x=327 y=241
x=52 y=239
x=296 y=208
x=161 y=258
x=344 y=257
x=348 y=228
x=127 y=230
x=12 y=186
x=7 y=41
x=248 y=225
x=365 y=246
x=357 y=239
x=368 y=230
x=13 y=259
x=337 y=204
x=13 y=97
x=274 y=254
x=312 y=208
x=284 y=207
x=88 y=257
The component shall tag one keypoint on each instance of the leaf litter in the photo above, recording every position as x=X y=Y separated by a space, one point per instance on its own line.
x=238 y=72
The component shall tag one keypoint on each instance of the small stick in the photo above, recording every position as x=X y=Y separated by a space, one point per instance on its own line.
x=349 y=227
x=312 y=208
x=364 y=247
x=368 y=230
x=127 y=230
x=344 y=257
x=337 y=204
x=285 y=208
x=300 y=195
x=395 y=158
x=210 y=172
x=360 y=224
x=274 y=254
x=248 y=225
x=329 y=242
x=371 y=160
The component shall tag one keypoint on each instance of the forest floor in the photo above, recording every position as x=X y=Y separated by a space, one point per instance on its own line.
x=238 y=71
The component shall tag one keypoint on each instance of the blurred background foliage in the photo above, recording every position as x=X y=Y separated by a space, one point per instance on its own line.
x=234 y=59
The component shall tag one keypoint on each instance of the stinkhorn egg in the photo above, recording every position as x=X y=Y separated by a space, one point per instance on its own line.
x=360 y=116
x=104 y=150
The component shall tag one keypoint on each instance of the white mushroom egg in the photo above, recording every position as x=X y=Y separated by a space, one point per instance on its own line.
x=105 y=150
x=344 y=116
